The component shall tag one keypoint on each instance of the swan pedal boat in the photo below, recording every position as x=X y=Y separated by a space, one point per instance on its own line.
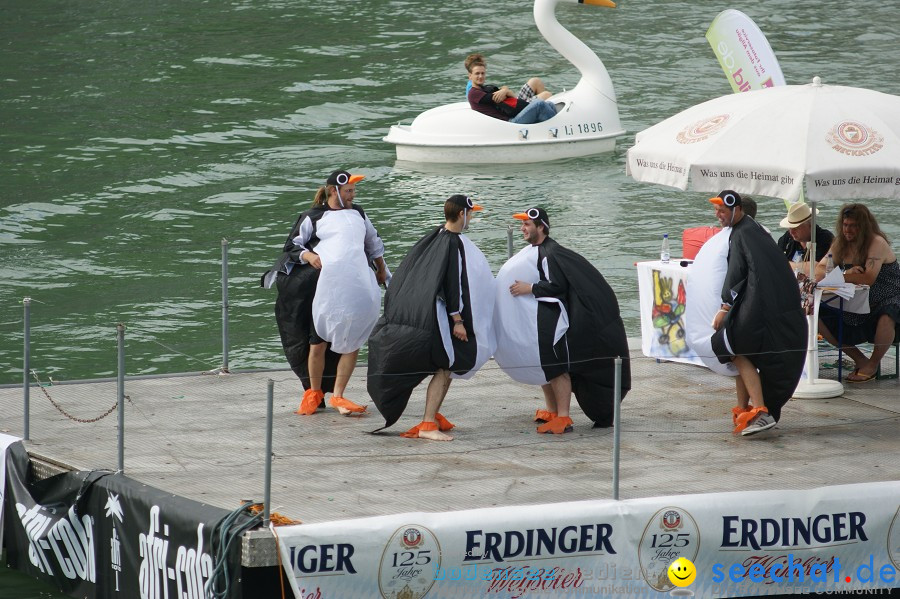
x=586 y=121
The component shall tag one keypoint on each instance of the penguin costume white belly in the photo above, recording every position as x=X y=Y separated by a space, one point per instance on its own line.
x=704 y=298
x=516 y=321
x=347 y=300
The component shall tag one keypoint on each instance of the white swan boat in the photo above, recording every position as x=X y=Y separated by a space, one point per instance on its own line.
x=587 y=119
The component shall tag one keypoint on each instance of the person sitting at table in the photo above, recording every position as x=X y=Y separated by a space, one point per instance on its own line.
x=865 y=255
x=794 y=242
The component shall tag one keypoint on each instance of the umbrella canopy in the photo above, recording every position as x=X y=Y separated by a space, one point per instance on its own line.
x=842 y=142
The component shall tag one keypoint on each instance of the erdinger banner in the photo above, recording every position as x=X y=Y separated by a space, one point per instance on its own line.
x=100 y=534
x=844 y=538
x=743 y=51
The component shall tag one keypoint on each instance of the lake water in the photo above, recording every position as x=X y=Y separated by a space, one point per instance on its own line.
x=134 y=137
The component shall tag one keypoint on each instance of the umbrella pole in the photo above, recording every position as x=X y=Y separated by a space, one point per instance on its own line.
x=812 y=354
x=813 y=387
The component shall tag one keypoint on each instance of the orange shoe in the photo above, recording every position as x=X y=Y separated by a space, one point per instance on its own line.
x=345 y=406
x=741 y=421
x=543 y=416
x=443 y=423
x=736 y=411
x=413 y=433
x=557 y=426
x=310 y=403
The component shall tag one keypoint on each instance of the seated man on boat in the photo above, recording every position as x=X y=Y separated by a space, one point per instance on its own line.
x=530 y=106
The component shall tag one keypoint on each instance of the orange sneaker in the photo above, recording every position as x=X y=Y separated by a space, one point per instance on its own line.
x=310 y=403
x=557 y=426
x=443 y=423
x=543 y=416
x=345 y=406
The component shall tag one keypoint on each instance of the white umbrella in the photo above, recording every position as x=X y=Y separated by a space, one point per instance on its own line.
x=838 y=142
x=842 y=142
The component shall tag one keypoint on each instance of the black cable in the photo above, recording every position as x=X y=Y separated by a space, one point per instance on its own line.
x=227 y=534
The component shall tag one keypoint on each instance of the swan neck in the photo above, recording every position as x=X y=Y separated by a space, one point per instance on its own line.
x=570 y=47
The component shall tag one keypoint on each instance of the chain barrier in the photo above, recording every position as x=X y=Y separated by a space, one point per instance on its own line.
x=62 y=411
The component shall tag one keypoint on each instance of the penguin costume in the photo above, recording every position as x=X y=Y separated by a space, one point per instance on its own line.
x=443 y=275
x=765 y=321
x=570 y=323
x=338 y=303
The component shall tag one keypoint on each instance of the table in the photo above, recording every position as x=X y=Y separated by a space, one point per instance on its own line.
x=662 y=304
x=810 y=386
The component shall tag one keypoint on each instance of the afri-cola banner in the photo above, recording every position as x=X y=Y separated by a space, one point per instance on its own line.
x=5 y=441
x=98 y=534
x=743 y=51
x=840 y=538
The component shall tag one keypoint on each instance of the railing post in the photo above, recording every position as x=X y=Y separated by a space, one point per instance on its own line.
x=267 y=493
x=120 y=392
x=224 y=305
x=509 y=241
x=617 y=420
x=26 y=368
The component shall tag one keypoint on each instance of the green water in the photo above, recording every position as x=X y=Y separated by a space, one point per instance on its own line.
x=134 y=137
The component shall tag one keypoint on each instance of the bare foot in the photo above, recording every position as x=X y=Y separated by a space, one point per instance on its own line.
x=435 y=435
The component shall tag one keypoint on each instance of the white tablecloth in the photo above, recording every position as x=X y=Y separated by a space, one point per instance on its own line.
x=662 y=304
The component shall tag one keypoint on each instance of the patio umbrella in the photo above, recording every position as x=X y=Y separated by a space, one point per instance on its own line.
x=841 y=142
x=838 y=142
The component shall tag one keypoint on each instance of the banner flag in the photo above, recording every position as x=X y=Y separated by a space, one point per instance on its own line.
x=743 y=51
x=828 y=540
x=100 y=534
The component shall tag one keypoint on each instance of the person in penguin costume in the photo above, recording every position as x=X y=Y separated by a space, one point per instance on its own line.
x=558 y=326
x=328 y=296
x=437 y=320
x=760 y=327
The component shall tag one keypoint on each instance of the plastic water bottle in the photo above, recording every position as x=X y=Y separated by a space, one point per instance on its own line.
x=829 y=264
x=664 y=252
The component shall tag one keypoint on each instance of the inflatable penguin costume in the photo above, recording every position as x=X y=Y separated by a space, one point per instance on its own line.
x=443 y=273
x=571 y=324
x=765 y=323
x=337 y=304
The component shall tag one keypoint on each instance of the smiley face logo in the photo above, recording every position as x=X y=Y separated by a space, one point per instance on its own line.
x=682 y=572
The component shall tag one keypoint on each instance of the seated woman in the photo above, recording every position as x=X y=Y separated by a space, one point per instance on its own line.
x=864 y=253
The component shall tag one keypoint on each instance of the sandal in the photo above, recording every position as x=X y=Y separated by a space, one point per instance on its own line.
x=857 y=377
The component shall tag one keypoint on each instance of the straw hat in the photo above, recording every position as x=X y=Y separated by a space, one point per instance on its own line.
x=797 y=214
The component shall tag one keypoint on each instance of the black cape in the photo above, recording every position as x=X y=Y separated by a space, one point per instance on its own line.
x=766 y=322
x=406 y=345
x=596 y=333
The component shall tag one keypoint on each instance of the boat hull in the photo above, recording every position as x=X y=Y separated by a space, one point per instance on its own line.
x=455 y=133
x=513 y=153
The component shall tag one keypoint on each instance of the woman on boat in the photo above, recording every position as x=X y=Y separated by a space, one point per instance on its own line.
x=328 y=297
